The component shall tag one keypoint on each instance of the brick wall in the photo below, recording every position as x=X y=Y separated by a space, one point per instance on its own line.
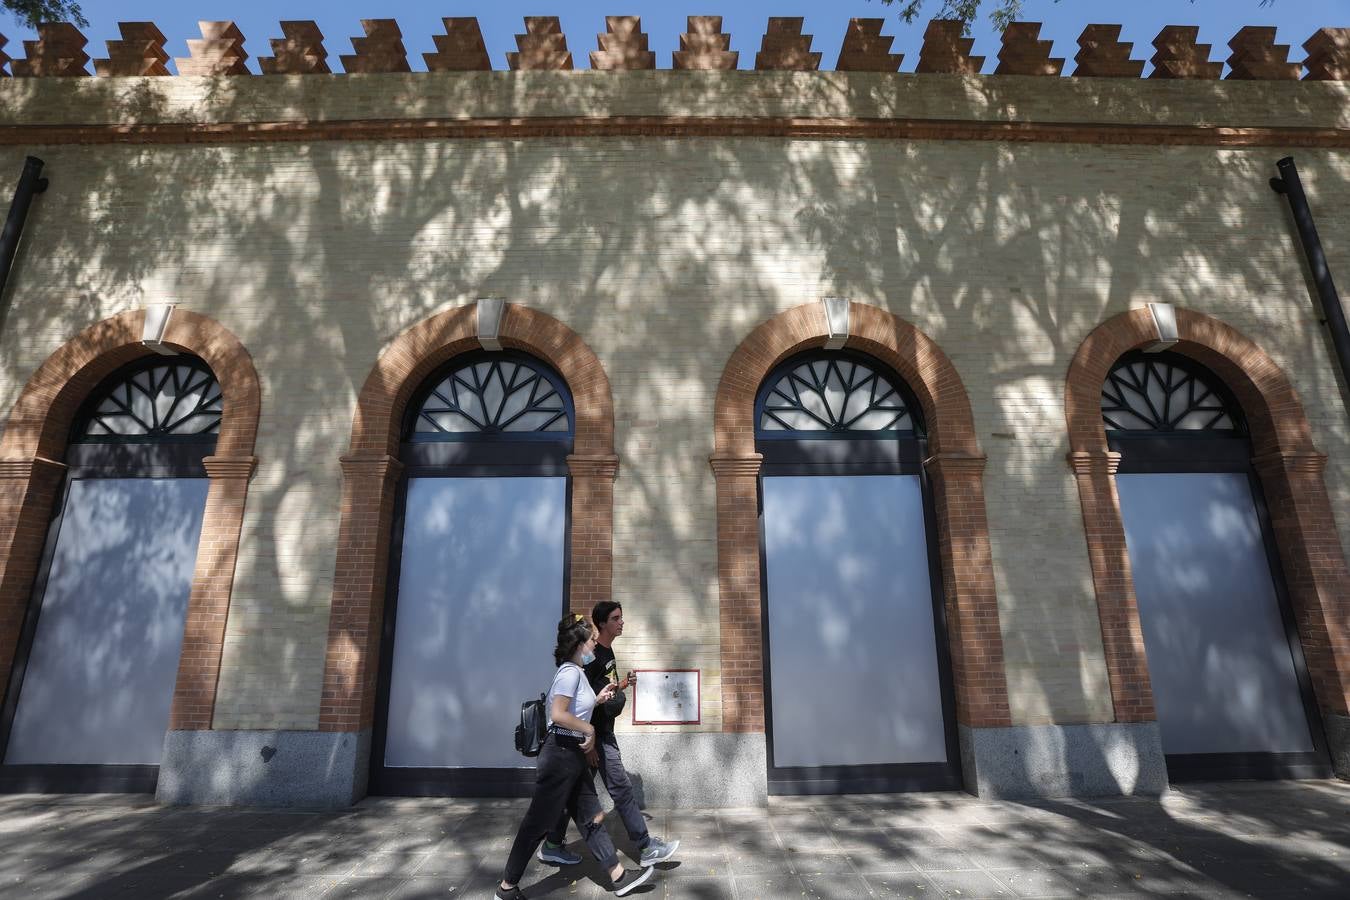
x=662 y=254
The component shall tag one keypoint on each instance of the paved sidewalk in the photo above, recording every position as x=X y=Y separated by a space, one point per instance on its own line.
x=1263 y=840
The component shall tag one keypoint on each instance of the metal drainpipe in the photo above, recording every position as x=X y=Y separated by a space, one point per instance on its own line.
x=30 y=182
x=1333 y=314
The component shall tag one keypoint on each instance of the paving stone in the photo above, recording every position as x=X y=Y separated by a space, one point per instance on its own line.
x=777 y=886
x=901 y=886
x=834 y=886
x=969 y=885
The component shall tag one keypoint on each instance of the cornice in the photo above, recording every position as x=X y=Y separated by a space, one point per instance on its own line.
x=661 y=126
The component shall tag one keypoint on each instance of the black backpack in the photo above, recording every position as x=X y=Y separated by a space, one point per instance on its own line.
x=532 y=728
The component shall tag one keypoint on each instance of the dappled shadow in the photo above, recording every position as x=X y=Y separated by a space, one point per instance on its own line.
x=662 y=254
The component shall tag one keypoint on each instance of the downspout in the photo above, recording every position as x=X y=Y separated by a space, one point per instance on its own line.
x=30 y=182
x=1332 y=313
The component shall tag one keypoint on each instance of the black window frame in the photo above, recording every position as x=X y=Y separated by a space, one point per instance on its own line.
x=463 y=455
x=1181 y=451
x=95 y=457
x=892 y=452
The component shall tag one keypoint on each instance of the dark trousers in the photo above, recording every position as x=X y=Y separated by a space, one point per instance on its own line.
x=562 y=787
x=620 y=788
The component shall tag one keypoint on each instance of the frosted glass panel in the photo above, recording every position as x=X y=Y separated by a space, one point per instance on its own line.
x=1223 y=676
x=853 y=657
x=101 y=672
x=480 y=595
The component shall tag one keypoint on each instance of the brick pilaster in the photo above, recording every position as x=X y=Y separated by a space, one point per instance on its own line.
x=1117 y=607
x=592 y=573
x=1314 y=568
x=739 y=590
x=194 y=694
x=968 y=581
x=350 y=669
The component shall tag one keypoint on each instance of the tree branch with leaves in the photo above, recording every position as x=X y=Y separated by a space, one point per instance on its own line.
x=1002 y=14
x=34 y=12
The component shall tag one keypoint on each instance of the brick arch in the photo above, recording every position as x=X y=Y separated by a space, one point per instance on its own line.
x=1289 y=465
x=31 y=476
x=955 y=467
x=370 y=476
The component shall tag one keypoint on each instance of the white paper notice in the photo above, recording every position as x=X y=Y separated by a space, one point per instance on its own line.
x=666 y=697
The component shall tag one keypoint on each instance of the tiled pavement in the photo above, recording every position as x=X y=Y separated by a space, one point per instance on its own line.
x=1263 y=840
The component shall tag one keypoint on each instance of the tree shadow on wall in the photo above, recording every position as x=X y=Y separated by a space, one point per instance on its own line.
x=663 y=255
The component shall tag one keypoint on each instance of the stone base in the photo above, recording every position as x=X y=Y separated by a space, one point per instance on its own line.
x=322 y=769
x=696 y=770
x=1031 y=761
x=1338 y=742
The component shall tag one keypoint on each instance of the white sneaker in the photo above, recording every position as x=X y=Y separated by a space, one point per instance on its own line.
x=658 y=851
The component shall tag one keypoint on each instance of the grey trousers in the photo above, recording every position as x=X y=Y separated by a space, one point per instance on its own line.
x=620 y=788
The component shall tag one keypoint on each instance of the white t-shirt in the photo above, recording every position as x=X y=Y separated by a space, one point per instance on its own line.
x=570 y=681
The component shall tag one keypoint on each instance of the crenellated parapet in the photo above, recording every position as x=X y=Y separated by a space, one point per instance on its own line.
x=1328 y=55
x=220 y=51
x=381 y=50
x=460 y=49
x=705 y=46
x=785 y=48
x=139 y=52
x=1024 y=53
x=58 y=51
x=4 y=57
x=946 y=50
x=300 y=52
x=1102 y=54
x=623 y=46
x=543 y=46
x=1180 y=56
x=1256 y=57
x=866 y=49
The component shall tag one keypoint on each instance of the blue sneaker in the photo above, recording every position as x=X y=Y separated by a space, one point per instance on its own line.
x=558 y=855
x=658 y=851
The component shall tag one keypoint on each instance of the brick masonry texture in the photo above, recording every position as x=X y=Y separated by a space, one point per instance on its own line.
x=663 y=255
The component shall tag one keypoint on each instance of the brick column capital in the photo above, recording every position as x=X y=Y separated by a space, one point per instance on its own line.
x=1292 y=462
x=595 y=465
x=230 y=467
x=380 y=466
x=1094 y=462
x=34 y=468
x=736 y=466
x=946 y=465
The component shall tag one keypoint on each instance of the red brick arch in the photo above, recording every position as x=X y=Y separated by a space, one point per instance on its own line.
x=31 y=476
x=370 y=475
x=956 y=468
x=1290 y=467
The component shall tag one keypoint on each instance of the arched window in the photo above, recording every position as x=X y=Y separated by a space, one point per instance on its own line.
x=858 y=681
x=478 y=574
x=1229 y=682
x=89 y=699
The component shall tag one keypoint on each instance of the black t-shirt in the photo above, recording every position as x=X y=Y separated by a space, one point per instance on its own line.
x=600 y=672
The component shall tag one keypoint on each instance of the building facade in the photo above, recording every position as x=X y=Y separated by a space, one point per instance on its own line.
x=954 y=430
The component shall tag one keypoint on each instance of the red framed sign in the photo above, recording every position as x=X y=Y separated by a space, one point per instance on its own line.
x=668 y=697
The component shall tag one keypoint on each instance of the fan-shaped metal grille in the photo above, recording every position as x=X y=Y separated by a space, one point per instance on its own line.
x=834 y=395
x=161 y=400
x=501 y=396
x=1158 y=395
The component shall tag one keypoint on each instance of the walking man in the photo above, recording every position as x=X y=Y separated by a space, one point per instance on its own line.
x=608 y=619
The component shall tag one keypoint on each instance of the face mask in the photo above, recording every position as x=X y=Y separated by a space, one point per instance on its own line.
x=587 y=658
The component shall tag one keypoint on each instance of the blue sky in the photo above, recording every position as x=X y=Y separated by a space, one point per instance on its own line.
x=664 y=21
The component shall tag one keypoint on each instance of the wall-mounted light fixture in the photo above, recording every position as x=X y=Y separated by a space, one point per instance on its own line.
x=490 y=311
x=836 y=317
x=156 y=323
x=1165 y=323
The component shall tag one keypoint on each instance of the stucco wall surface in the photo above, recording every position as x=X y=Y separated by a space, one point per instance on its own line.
x=663 y=254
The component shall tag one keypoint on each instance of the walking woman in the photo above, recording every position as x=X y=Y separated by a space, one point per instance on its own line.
x=563 y=777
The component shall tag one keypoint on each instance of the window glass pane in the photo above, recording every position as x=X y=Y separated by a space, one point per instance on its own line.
x=479 y=598
x=498 y=396
x=852 y=649
x=1218 y=655
x=834 y=394
x=101 y=672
